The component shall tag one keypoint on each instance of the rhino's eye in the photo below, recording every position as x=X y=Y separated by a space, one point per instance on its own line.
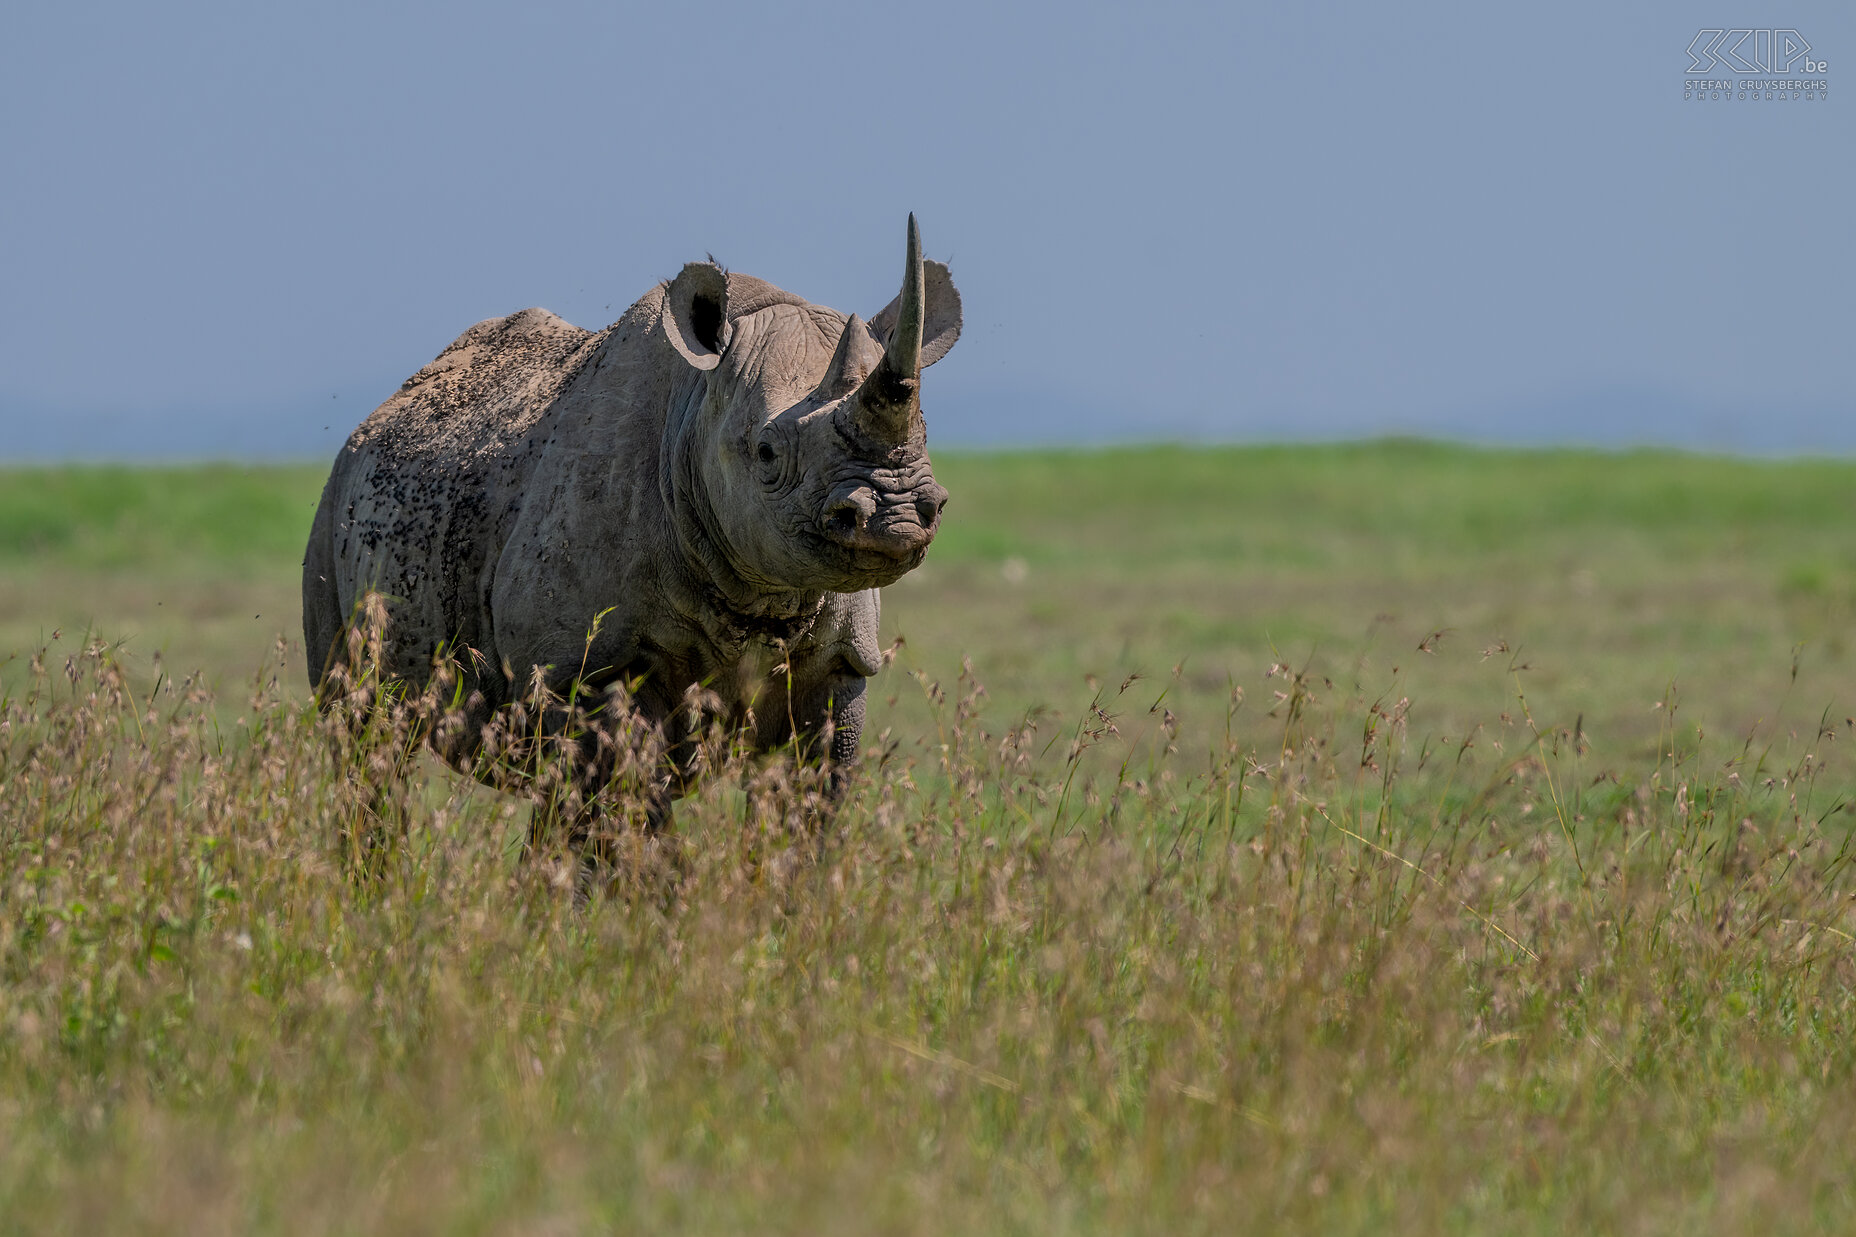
x=766 y=453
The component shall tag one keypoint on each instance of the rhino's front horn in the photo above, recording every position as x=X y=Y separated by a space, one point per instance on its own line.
x=888 y=406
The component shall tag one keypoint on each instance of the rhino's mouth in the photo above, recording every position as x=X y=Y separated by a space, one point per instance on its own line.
x=860 y=567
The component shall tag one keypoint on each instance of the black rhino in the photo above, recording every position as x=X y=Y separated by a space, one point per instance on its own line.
x=728 y=474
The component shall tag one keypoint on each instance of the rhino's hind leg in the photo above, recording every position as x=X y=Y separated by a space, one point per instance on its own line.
x=376 y=815
x=373 y=736
x=323 y=620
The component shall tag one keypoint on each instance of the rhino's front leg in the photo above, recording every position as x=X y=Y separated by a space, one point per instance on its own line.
x=611 y=813
x=834 y=705
x=847 y=717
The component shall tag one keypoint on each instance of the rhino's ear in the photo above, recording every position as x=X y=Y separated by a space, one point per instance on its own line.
x=696 y=313
x=940 y=317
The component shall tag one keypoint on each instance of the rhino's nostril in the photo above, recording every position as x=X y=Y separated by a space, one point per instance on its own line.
x=848 y=512
x=928 y=511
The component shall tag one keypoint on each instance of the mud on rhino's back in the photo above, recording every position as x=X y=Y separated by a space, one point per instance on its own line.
x=425 y=488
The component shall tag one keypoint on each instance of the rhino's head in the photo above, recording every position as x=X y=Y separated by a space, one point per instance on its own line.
x=808 y=455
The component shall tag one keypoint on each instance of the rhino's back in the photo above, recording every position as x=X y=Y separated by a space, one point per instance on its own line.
x=421 y=496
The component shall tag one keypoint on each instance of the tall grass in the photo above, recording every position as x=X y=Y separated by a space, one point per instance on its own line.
x=1077 y=973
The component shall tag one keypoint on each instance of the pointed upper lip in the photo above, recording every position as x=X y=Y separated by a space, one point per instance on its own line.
x=896 y=541
x=866 y=567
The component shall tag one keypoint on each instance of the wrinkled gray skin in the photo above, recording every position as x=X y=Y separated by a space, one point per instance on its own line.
x=730 y=469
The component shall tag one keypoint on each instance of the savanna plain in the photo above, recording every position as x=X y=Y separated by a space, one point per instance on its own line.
x=1388 y=837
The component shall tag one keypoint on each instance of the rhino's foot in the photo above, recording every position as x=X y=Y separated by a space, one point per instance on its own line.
x=369 y=845
x=636 y=858
x=372 y=828
x=638 y=868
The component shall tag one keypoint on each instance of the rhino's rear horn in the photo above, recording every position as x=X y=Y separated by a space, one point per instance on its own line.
x=858 y=354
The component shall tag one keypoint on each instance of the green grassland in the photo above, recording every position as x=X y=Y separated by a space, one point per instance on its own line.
x=1615 y=578
x=1379 y=837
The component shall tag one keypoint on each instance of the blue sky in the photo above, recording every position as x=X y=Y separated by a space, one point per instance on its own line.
x=227 y=227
